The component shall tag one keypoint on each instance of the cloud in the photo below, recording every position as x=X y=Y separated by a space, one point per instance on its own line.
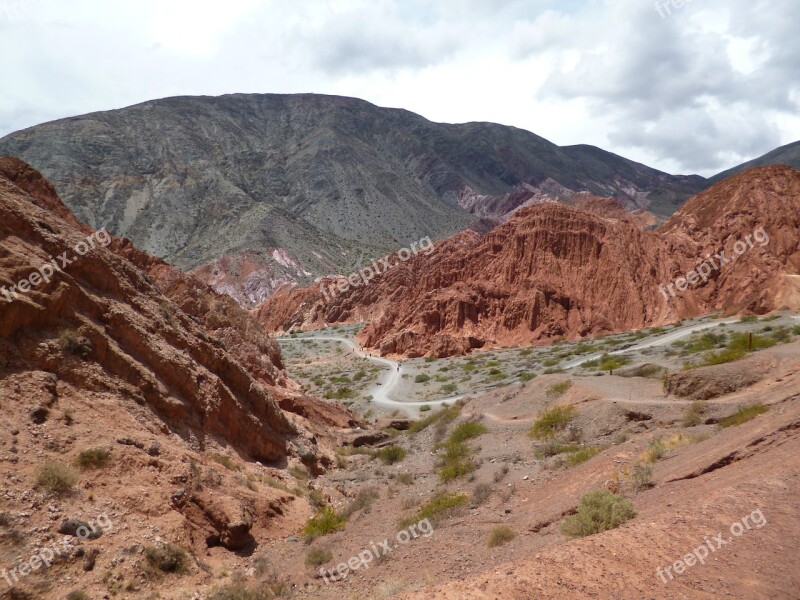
x=714 y=84
x=703 y=86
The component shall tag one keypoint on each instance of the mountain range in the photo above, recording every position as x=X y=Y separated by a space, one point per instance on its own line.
x=554 y=272
x=256 y=191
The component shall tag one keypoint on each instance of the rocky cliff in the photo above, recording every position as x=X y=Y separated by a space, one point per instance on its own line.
x=255 y=191
x=557 y=271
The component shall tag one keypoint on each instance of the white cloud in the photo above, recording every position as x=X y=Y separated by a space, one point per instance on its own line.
x=714 y=84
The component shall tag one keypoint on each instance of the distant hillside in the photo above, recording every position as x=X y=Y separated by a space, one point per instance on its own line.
x=785 y=155
x=260 y=190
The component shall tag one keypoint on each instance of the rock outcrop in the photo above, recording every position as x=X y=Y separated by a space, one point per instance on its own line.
x=556 y=271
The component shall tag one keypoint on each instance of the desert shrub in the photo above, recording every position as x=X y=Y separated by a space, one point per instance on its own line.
x=582 y=455
x=324 y=522
x=609 y=362
x=406 y=478
x=318 y=556
x=743 y=415
x=55 y=477
x=422 y=378
x=240 y=591
x=71 y=343
x=500 y=473
x=467 y=431
x=438 y=508
x=363 y=501
x=341 y=393
x=430 y=359
x=554 y=448
x=796 y=330
x=526 y=376
x=77 y=595
x=655 y=450
x=559 y=389
x=167 y=558
x=500 y=535
x=748 y=319
x=94 y=458
x=694 y=414
x=424 y=408
x=552 y=421
x=449 y=388
x=455 y=469
x=225 y=461
x=642 y=476
x=525 y=352
x=598 y=511
x=444 y=416
x=550 y=362
x=316 y=499
x=481 y=493
x=390 y=454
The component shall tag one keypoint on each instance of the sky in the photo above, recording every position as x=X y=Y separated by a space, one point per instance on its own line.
x=686 y=86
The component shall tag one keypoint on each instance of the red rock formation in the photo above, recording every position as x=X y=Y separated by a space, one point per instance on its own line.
x=554 y=271
x=119 y=319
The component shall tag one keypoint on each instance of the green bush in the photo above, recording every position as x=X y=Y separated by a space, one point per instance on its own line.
x=71 y=343
x=422 y=378
x=642 y=476
x=424 y=408
x=526 y=376
x=748 y=319
x=655 y=450
x=445 y=415
x=168 y=558
x=598 y=511
x=324 y=522
x=316 y=557
x=559 y=389
x=467 y=431
x=551 y=421
x=430 y=359
x=449 y=388
x=439 y=507
x=582 y=455
x=225 y=461
x=78 y=595
x=240 y=591
x=554 y=448
x=390 y=454
x=500 y=535
x=94 y=458
x=743 y=415
x=341 y=393
x=55 y=477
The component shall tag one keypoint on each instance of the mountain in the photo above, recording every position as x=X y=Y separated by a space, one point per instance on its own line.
x=555 y=271
x=785 y=155
x=255 y=191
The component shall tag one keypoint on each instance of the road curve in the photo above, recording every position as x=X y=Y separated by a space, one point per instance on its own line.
x=659 y=341
x=388 y=382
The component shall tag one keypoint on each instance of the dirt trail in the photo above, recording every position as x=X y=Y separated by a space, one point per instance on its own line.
x=387 y=383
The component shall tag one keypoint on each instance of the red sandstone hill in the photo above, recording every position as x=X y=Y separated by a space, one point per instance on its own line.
x=554 y=271
x=119 y=351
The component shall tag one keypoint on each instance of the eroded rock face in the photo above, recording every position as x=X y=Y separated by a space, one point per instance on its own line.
x=556 y=271
x=102 y=323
